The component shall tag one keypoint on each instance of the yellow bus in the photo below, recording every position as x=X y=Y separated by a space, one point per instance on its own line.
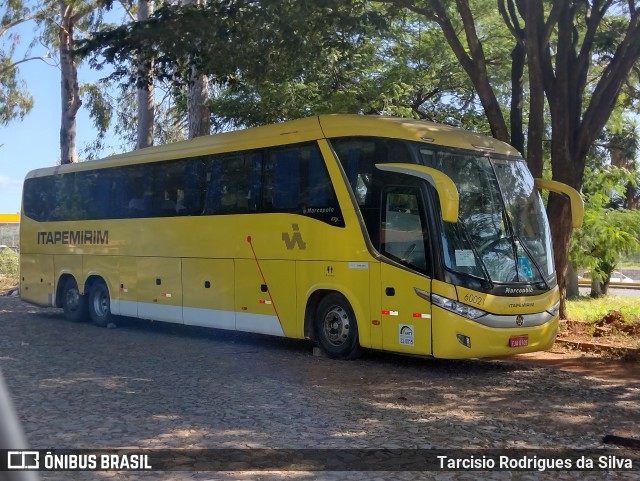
x=351 y=231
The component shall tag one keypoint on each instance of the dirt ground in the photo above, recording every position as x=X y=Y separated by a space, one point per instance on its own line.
x=593 y=365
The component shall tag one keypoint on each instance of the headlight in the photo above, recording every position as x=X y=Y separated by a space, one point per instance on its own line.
x=457 y=307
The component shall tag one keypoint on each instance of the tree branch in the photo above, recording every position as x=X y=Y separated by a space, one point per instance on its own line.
x=510 y=18
x=28 y=59
x=10 y=25
x=608 y=87
x=128 y=12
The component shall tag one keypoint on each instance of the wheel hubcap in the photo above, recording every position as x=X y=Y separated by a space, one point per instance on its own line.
x=72 y=299
x=101 y=304
x=336 y=326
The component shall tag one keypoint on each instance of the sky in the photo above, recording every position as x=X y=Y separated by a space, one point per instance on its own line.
x=34 y=142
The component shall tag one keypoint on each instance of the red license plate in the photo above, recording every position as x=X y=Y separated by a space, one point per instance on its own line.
x=518 y=341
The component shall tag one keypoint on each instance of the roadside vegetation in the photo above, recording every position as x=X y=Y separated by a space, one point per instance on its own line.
x=586 y=308
x=9 y=268
x=610 y=322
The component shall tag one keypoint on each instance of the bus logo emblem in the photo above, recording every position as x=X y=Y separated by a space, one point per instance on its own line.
x=405 y=334
x=296 y=239
x=519 y=320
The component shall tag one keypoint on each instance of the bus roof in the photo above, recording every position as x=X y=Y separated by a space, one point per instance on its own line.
x=301 y=130
x=410 y=129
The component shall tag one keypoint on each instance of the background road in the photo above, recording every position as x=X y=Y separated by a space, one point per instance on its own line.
x=615 y=290
x=162 y=386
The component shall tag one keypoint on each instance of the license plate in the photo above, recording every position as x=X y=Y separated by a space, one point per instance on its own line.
x=518 y=341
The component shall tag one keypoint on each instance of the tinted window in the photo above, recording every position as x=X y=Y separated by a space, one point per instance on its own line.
x=233 y=183
x=358 y=156
x=291 y=179
x=403 y=230
x=296 y=181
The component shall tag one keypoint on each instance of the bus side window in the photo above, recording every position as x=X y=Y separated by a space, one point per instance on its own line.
x=168 y=187
x=191 y=200
x=119 y=199
x=66 y=197
x=232 y=181
x=95 y=185
x=318 y=185
x=403 y=229
x=285 y=194
x=255 y=188
x=39 y=198
x=135 y=190
x=214 y=186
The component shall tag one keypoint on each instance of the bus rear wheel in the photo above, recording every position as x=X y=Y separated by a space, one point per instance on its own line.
x=99 y=304
x=336 y=328
x=74 y=304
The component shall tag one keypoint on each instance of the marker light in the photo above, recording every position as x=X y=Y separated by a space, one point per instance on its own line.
x=457 y=307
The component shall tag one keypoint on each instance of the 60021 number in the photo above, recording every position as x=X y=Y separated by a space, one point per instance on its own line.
x=474 y=299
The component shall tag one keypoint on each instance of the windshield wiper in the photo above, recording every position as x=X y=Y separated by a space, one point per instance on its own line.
x=517 y=238
x=467 y=237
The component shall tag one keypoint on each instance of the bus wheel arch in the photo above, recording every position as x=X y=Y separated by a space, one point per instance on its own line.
x=335 y=326
x=72 y=301
x=98 y=301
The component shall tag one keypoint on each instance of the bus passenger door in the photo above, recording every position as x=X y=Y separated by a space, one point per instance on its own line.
x=405 y=312
x=405 y=317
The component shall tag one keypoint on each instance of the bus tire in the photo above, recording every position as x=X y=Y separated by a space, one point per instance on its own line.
x=74 y=304
x=99 y=304
x=336 y=328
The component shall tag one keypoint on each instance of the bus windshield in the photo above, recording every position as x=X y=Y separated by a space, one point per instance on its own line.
x=502 y=233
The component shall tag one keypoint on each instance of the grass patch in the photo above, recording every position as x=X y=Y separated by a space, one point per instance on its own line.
x=585 y=308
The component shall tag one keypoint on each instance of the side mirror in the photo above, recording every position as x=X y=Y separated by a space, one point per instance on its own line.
x=577 y=204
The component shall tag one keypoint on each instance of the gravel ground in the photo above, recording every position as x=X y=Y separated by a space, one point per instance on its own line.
x=153 y=385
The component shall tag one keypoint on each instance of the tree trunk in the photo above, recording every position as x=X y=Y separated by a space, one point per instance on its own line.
x=573 y=289
x=559 y=212
x=198 y=94
x=535 y=128
x=69 y=88
x=596 y=288
x=518 y=57
x=145 y=92
x=199 y=120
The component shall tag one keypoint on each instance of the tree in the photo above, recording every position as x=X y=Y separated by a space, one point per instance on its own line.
x=232 y=42
x=15 y=101
x=608 y=232
x=199 y=121
x=402 y=68
x=69 y=16
x=578 y=54
x=144 y=82
x=58 y=23
x=610 y=228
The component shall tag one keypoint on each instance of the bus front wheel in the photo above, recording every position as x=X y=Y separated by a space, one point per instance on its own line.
x=100 y=304
x=336 y=328
x=74 y=304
